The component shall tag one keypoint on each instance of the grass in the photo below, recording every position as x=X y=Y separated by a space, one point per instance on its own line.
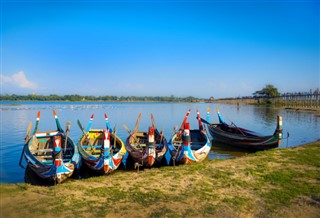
x=283 y=182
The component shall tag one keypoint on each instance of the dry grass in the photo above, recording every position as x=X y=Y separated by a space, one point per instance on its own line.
x=274 y=183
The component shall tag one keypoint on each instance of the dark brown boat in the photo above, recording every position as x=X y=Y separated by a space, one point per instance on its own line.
x=233 y=135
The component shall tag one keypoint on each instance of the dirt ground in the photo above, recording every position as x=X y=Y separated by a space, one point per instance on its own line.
x=277 y=183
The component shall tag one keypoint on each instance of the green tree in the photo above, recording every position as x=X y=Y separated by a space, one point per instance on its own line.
x=269 y=91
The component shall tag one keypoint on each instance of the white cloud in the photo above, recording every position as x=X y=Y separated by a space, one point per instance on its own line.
x=19 y=79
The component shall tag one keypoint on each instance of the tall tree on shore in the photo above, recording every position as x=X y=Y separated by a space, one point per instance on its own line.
x=268 y=91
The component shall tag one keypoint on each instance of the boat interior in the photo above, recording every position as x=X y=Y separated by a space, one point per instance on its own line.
x=94 y=142
x=42 y=148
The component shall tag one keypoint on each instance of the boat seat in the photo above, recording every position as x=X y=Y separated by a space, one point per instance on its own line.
x=50 y=161
x=47 y=162
x=39 y=157
x=42 y=150
x=92 y=146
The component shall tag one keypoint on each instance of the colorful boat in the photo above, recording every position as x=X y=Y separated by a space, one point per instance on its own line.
x=146 y=148
x=51 y=155
x=233 y=135
x=189 y=145
x=101 y=149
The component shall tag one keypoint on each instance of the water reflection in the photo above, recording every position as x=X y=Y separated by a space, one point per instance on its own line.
x=267 y=114
x=221 y=151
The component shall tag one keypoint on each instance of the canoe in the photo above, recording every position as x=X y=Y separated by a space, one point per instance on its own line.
x=146 y=148
x=101 y=149
x=189 y=145
x=51 y=155
x=235 y=136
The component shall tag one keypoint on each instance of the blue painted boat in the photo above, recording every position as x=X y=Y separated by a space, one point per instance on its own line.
x=51 y=155
x=101 y=149
x=188 y=145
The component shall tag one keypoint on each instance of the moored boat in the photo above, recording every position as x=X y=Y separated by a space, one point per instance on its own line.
x=101 y=149
x=189 y=145
x=146 y=148
x=51 y=155
x=235 y=136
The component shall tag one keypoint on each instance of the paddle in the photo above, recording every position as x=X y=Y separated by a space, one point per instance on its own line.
x=204 y=121
x=232 y=123
x=68 y=124
x=174 y=130
x=25 y=142
x=137 y=124
x=83 y=132
x=130 y=133
x=155 y=127
x=80 y=126
x=162 y=131
x=153 y=122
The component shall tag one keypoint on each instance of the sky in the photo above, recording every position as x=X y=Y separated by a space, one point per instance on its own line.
x=159 y=48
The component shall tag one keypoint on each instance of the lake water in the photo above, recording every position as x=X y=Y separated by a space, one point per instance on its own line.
x=303 y=126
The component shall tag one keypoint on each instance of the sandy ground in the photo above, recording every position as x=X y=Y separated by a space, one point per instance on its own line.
x=222 y=188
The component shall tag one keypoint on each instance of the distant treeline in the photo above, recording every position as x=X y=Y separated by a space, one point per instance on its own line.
x=33 y=97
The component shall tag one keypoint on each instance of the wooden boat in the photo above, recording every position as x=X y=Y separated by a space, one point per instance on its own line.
x=101 y=149
x=51 y=155
x=239 y=137
x=189 y=145
x=146 y=148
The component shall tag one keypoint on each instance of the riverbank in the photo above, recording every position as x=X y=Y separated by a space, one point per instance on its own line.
x=279 y=182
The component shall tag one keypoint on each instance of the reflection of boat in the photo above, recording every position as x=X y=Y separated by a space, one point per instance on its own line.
x=189 y=145
x=239 y=137
x=51 y=155
x=101 y=149
x=146 y=148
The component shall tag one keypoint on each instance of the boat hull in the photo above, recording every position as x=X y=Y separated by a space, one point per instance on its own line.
x=144 y=154
x=99 y=159
x=235 y=136
x=246 y=142
x=40 y=157
x=196 y=151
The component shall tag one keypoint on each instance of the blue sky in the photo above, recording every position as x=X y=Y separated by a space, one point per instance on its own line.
x=159 y=48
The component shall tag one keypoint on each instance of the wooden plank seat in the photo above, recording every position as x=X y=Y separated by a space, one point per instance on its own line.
x=91 y=146
x=42 y=150
x=50 y=161
x=48 y=150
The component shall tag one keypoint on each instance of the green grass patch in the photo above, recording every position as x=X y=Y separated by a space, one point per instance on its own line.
x=9 y=189
x=111 y=193
x=163 y=212
x=309 y=157
x=236 y=201
x=289 y=184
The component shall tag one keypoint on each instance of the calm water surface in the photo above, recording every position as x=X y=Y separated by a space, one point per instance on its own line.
x=303 y=126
